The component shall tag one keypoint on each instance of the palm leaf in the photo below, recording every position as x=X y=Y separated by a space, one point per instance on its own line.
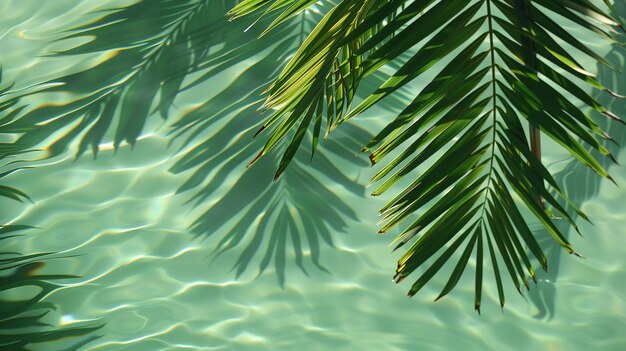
x=499 y=62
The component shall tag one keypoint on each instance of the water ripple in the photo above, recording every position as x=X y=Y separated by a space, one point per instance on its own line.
x=122 y=229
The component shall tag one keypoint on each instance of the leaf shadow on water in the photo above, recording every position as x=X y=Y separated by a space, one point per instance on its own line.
x=150 y=52
x=299 y=207
x=255 y=212
x=582 y=183
x=22 y=319
x=22 y=290
x=143 y=53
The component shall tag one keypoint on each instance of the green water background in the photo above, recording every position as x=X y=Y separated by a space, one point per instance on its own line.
x=157 y=288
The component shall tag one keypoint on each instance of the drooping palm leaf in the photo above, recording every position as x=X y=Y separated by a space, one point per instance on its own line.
x=499 y=62
x=320 y=80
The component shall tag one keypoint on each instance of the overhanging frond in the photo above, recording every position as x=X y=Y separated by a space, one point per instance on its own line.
x=461 y=144
x=320 y=80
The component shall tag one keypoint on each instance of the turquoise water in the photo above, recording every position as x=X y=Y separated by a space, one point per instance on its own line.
x=118 y=223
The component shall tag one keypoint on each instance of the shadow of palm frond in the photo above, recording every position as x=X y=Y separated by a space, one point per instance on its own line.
x=22 y=314
x=581 y=183
x=150 y=52
x=255 y=212
x=145 y=51
x=304 y=209
x=300 y=210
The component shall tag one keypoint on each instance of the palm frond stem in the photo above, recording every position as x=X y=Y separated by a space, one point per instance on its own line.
x=529 y=58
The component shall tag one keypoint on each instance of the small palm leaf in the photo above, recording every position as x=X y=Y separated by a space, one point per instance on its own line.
x=21 y=321
x=498 y=62
x=8 y=112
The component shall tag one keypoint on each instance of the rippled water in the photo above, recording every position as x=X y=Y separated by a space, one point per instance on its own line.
x=122 y=228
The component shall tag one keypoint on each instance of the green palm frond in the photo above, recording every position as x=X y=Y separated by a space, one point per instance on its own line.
x=320 y=80
x=8 y=112
x=21 y=319
x=460 y=143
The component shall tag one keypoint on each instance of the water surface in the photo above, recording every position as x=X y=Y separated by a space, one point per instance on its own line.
x=125 y=231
